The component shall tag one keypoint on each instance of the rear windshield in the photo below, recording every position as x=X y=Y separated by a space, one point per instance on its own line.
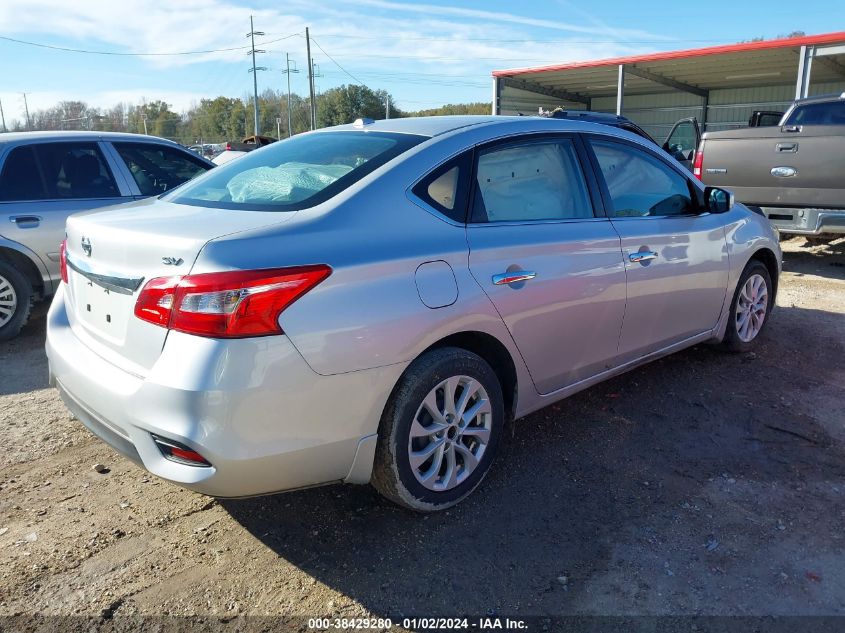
x=830 y=113
x=297 y=173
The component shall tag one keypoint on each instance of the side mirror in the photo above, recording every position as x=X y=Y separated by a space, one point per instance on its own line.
x=718 y=200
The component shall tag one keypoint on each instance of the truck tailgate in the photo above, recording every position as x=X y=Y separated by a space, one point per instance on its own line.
x=747 y=161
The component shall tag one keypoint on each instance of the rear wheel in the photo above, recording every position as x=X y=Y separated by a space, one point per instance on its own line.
x=15 y=301
x=440 y=431
x=750 y=308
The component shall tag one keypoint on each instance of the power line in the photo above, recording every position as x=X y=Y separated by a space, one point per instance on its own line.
x=419 y=81
x=118 y=54
x=426 y=58
x=516 y=41
x=336 y=63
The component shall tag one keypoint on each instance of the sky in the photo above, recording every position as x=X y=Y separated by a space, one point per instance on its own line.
x=425 y=54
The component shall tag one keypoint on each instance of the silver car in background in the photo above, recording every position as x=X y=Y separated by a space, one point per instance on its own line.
x=375 y=302
x=46 y=176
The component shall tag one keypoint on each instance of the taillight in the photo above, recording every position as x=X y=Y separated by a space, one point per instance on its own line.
x=698 y=163
x=232 y=304
x=63 y=259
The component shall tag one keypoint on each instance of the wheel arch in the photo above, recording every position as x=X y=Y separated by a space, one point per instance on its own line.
x=494 y=354
x=26 y=266
x=767 y=257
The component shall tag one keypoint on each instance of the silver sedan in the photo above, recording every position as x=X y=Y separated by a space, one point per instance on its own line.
x=376 y=302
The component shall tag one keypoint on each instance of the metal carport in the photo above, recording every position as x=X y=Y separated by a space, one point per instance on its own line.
x=720 y=85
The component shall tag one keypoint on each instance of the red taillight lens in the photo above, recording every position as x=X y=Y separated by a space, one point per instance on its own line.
x=63 y=259
x=697 y=164
x=226 y=305
x=155 y=303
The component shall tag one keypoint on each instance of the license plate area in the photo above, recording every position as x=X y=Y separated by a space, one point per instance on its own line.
x=101 y=310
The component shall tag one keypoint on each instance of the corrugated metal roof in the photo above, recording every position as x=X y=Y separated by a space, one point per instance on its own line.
x=749 y=64
x=764 y=45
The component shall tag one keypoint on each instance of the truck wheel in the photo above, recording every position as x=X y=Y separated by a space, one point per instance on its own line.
x=750 y=308
x=440 y=431
x=15 y=301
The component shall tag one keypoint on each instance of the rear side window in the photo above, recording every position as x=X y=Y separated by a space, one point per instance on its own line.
x=832 y=113
x=639 y=184
x=536 y=181
x=297 y=173
x=21 y=178
x=75 y=170
x=56 y=171
x=159 y=168
x=446 y=189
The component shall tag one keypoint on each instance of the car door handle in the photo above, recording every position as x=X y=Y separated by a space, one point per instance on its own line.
x=25 y=221
x=787 y=147
x=513 y=277
x=642 y=256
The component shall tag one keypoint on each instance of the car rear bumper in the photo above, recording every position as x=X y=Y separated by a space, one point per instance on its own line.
x=806 y=221
x=253 y=408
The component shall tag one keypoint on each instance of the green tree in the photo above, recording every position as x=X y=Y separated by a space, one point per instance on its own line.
x=347 y=103
x=457 y=108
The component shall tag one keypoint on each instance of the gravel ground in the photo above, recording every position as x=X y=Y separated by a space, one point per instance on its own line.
x=703 y=483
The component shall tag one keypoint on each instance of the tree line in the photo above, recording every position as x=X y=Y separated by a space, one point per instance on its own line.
x=229 y=119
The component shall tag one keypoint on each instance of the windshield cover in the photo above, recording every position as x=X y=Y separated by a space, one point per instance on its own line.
x=296 y=173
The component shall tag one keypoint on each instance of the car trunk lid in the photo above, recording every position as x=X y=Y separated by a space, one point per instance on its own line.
x=112 y=254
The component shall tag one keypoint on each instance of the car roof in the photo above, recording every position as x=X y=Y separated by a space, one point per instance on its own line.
x=839 y=96
x=437 y=125
x=16 y=137
x=422 y=125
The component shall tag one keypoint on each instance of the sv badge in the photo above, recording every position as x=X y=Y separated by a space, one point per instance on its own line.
x=172 y=261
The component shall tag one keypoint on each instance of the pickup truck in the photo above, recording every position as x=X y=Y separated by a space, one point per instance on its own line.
x=792 y=173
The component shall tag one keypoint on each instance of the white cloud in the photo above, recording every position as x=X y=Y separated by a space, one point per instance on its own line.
x=379 y=41
x=498 y=16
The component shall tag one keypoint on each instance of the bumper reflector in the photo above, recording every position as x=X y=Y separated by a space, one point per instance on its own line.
x=176 y=452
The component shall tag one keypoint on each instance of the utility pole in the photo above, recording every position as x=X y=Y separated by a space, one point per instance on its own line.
x=144 y=119
x=3 y=117
x=311 y=80
x=288 y=70
x=387 y=106
x=26 y=109
x=252 y=33
x=315 y=74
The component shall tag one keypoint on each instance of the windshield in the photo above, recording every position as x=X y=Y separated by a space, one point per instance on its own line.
x=297 y=173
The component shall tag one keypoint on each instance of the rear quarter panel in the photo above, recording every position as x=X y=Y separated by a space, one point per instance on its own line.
x=369 y=313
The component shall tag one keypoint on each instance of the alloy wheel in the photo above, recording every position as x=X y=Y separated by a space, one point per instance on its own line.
x=450 y=433
x=8 y=301
x=751 y=308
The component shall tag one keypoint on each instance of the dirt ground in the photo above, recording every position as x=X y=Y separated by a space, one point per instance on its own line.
x=704 y=483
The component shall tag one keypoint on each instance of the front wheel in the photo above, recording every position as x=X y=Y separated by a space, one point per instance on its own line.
x=750 y=308
x=440 y=431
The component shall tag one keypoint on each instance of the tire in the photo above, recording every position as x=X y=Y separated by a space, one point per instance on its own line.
x=739 y=338
x=465 y=447
x=15 y=301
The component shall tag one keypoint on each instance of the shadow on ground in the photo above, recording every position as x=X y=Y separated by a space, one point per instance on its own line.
x=584 y=483
x=31 y=374
x=828 y=260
